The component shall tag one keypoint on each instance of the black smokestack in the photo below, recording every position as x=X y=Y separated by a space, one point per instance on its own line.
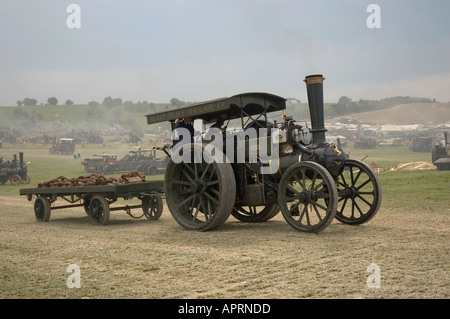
x=21 y=159
x=314 y=87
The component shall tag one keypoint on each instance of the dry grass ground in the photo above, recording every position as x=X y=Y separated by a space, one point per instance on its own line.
x=136 y=258
x=157 y=259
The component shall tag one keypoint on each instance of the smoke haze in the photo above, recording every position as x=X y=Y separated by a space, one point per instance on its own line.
x=198 y=50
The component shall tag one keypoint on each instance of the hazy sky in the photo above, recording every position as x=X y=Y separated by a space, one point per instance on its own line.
x=198 y=50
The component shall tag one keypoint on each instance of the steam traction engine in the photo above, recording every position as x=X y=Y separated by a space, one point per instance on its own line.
x=14 y=172
x=313 y=182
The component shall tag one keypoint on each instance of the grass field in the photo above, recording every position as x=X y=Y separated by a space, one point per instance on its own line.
x=408 y=240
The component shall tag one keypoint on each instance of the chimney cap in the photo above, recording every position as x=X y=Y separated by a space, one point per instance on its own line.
x=314 y=78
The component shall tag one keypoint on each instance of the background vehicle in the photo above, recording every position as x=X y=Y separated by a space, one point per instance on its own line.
x=63 y=146
x=440 y=154
x=146 y=161
x=98 y=164
x=422 y=144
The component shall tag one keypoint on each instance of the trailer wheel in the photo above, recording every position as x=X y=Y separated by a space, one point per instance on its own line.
x=200 y=193
x=152 y=206
x=307 y=196
x=42 y=209
x=255 y=214
x=99 y=210
x=86 y=203
x=15 y=179
x=359 y=193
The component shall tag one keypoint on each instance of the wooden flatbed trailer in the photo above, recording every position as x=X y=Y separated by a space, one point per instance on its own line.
x=97 y=199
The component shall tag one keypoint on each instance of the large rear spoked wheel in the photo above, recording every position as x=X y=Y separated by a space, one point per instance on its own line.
x=307 y=196
x=200 y=194
x=359 y=193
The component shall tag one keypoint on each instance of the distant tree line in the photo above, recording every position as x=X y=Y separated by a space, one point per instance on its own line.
x=108 y=102
x=32 y=101
x=115 y=105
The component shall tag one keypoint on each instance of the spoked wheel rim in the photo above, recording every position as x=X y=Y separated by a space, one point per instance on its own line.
x=26 y=179
x=307 y=196
x=99 y=210
x=255 y=214
x=152 y=206
x=359 y=193
x=15 y=179
x=201 y=195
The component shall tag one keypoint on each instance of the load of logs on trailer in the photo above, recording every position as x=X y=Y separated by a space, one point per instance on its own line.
x=93 y=180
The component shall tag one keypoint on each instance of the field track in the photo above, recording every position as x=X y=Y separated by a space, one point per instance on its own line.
x=408 y=240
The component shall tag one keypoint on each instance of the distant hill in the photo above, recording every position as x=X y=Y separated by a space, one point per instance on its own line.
x=413 y=113
x=51 y=118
